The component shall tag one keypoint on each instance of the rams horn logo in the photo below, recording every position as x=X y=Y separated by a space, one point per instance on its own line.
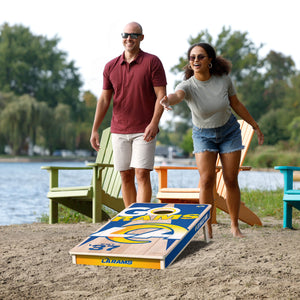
x=141 y=233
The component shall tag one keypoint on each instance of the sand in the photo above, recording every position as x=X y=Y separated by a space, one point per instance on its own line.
x=35 y=264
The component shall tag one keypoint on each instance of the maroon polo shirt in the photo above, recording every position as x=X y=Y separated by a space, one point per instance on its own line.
x=134 y=96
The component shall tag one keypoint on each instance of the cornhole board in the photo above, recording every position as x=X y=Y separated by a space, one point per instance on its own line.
x=144 y=235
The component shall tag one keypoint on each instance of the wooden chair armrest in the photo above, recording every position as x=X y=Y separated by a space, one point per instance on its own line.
x=54 y=171
x=50 y=168
x=175 y=168
x=163 y=173
x=286 y=168
x=288 y=179
x=245 y=168
x=160 y=168
x=100 y=165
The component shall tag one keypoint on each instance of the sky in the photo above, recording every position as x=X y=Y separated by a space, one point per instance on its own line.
x=90 y=30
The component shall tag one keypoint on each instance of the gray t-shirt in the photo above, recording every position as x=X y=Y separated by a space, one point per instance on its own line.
x=208 y=100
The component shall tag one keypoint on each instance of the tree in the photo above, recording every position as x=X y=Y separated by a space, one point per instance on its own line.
x=294 y=128
x=187 y=142
x=279 y=69
x=34 y=65
x=250 y=92
x=274 y=126
x=63 y=130
x=241 y=51
x=291 y=100
x=19 y=121
x=278 y=66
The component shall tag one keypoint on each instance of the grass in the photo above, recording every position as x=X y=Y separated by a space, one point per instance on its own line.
x=263 y=203
x=66 y=215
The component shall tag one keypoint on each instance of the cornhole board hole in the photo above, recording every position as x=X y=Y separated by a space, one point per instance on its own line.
x=144 y=235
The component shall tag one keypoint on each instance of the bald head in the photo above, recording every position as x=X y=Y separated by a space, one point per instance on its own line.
x=133 y=27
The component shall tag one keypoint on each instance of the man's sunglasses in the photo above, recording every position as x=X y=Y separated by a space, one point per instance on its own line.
x=132 y=35
x=199 y=57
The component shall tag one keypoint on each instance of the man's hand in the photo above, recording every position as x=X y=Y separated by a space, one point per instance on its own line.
x=150 y=133
x=94 y=140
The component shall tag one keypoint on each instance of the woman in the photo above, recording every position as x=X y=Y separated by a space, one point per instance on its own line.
x=210 y=95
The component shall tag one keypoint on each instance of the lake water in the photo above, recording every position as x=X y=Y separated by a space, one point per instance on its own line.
x=24 y=186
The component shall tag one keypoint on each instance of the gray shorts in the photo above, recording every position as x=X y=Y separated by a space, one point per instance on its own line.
x=132 y=151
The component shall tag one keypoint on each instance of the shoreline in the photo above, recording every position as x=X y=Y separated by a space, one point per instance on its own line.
x=175 y=161
x=20 y=159
x=158 y=161
x=179 y=161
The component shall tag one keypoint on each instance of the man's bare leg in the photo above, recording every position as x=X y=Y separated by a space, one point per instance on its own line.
x=128 y=187
x=144 y=191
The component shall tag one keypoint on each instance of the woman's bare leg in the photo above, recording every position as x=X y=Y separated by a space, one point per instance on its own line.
x=230 y=164
x=206 y=163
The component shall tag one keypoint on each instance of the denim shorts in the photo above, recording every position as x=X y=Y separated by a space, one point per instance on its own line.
x=224 y=139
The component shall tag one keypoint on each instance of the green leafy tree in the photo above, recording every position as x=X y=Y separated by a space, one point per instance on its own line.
x=291 y=100
x=294 y=129
x=19 y=121
x=273 y=125
x=187 y=142
x=5 y=98
x=278 y=67
x=279 y=70
x=63 y=130
x=34 y=65
x=83 y=129
x=240 y=50
x=251 y=91
x=279 y=124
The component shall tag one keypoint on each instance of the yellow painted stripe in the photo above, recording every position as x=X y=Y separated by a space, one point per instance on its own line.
x=128 y=262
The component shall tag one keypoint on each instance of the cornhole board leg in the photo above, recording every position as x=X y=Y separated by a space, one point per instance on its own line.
x=205 y=233
x=144 y=235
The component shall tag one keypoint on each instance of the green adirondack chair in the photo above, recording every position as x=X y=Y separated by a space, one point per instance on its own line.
x=89 y=200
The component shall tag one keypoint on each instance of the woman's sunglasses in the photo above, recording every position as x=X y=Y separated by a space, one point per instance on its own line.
x=199 y=57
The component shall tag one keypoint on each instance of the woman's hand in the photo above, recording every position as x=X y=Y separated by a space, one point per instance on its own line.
x=260 y=136
x=165 y=103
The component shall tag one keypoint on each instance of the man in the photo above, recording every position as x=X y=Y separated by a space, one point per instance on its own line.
x=137 y=82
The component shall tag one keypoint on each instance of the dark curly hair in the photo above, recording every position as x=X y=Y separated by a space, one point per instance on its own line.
x=220 y=65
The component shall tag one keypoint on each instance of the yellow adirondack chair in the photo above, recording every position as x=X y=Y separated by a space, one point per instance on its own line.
x=88 y=200
x=191 y=195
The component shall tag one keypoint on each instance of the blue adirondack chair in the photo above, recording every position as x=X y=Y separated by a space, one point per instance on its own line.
x=104 y=189
x=291 y=196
